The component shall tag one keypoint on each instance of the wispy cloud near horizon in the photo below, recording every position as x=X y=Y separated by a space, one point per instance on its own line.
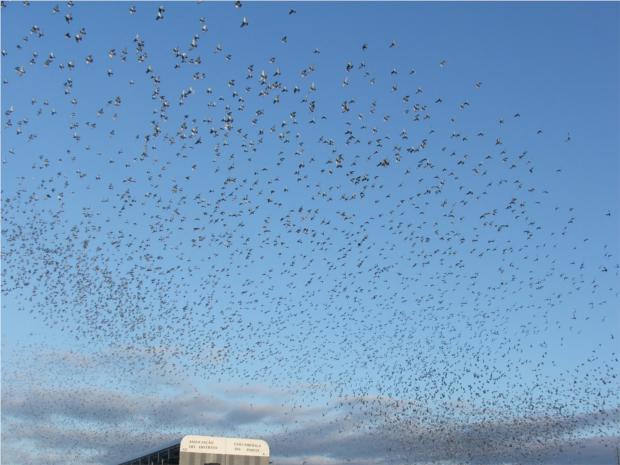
x=105 y=426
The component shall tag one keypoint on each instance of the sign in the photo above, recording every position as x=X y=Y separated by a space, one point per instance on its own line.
x=229 y=446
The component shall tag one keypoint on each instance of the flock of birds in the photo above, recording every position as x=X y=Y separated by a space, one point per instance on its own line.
x=350 y=230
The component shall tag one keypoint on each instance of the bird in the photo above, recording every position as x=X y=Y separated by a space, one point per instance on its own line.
x=160 y=13
x=305 y=229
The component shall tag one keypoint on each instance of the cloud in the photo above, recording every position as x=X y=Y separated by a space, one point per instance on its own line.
x=321 y=443
x=80 y=403
x=539 y=440
x=105 y=427
x=178 y=409
x=47 y=421
x=39 y=442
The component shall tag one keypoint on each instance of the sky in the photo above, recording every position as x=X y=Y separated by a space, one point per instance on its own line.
x=368 y=232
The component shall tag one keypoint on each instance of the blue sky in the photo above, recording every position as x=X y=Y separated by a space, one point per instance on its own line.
x=275 y=265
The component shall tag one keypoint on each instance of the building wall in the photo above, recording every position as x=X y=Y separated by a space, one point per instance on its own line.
x=194 y=458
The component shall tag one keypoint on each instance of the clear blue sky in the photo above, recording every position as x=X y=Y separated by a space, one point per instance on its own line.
x=253 y=257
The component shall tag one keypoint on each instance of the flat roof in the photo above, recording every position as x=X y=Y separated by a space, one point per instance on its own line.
x=167 y=447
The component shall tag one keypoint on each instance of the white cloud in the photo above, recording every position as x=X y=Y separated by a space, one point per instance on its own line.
x=46 y=421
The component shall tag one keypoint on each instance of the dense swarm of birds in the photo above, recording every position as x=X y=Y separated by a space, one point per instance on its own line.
x=351 y=230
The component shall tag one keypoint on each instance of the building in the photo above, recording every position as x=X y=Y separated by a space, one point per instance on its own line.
x=207 y=450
